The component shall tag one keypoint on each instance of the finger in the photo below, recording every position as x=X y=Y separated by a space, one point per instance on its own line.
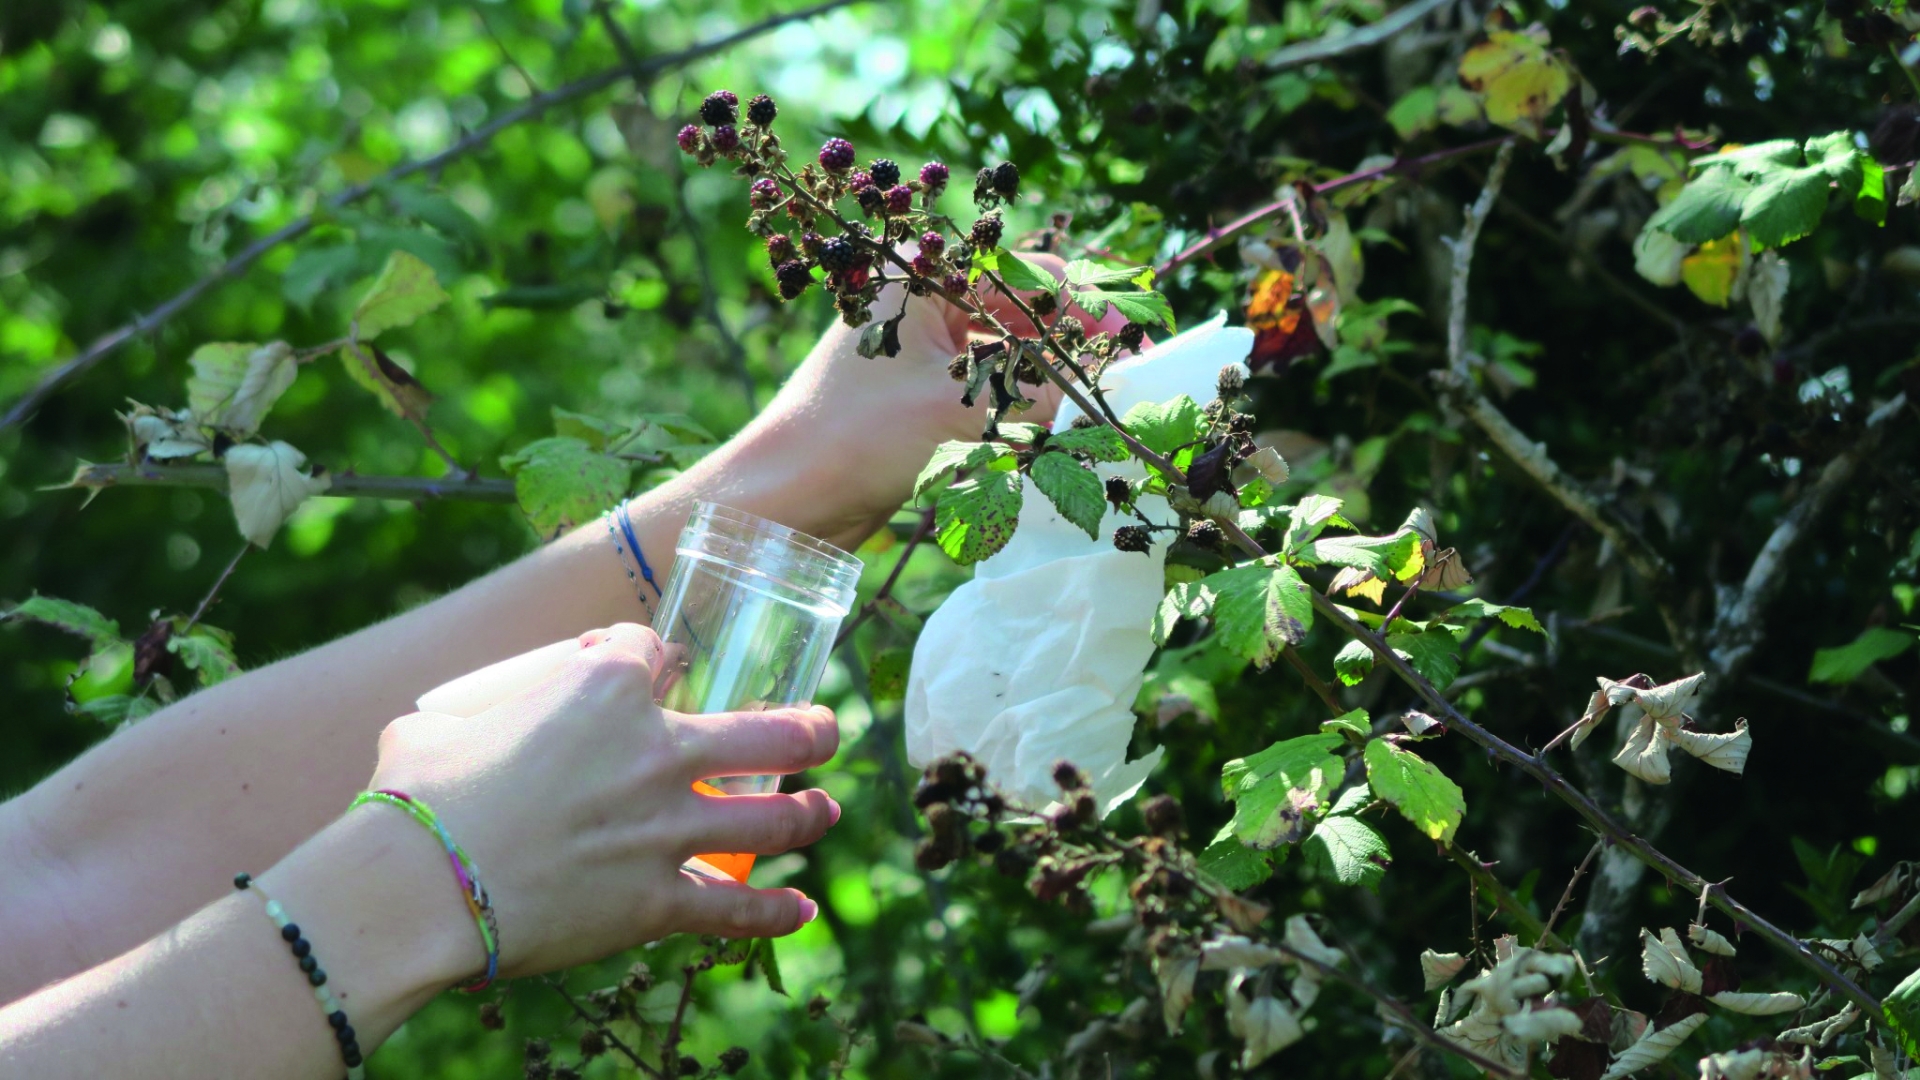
x=749 y=743
x=626 y=653
x=758 y=824
x=731 y=910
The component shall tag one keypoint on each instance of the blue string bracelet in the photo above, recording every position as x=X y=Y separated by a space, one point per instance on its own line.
x=632 y=544
x=316 y=977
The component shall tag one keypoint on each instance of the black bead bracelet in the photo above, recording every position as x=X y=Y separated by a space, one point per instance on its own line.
x=309 y=965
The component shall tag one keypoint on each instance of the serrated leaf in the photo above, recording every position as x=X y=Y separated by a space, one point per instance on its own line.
x=117 y=710
x=1433 y=653
x=234 y=385
x=1099 y=443
x=561 y=482
x=887 y=674
x=399 y=392
x=1351 y=849
x=1417 y=788
x=977 y=516
x=1845 y=663
x=1517 y=617
x=405 y=290
x=77 y=619
x=1521 y=80
x=1354 y=721
x=1087 y=272
x=1259 y=609
x=1274 y=790
x=1653 y=1047
x=1233 y=863
x=208 y=651
x=1758 y=1004
x=766 y=960
x=267 y=483
x=1023 y=275
x=1722 y=750
x=951 y=457
x=1185 y=600
x=1439 y=969
x=1353 y=663
x=1712 y=272
x=1416 y=113
x=1310 y=518
x=1165 y=426
x=1707 y=209
x=592 y=430
x=1902 y=1010
x=1786 y=206
x=1073 y=489
x=1146 y=308
x=1658 y=256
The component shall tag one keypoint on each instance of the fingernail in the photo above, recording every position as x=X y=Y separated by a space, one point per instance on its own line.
x=808 y=911
x=833 y=813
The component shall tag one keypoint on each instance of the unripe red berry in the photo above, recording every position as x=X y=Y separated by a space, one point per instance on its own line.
x=899 y=199
x=764 y=192
x=726 y=138
x=923 y=266
x=780 y=249
x=690 y=138
x=836 y=155
x=720 y=108
x=956 y=284
x=934 y=176
x=885 y=172
x=761 y=111
x=858 y=181
x=932 y=243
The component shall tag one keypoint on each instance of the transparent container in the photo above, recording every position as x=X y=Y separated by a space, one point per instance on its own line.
x=748 y=614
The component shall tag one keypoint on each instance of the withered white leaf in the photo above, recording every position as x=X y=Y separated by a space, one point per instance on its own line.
x=1237 y=952
x=1734 y=1065
x=1270 y=1027
x=1596 y=710
x=1541 y=1024
x=1666 y=962
x=1305 y=989
x=1422 y=726
x=265 y=485
x=1301 y=938
x=1821 y=1032
x=1758 y=1004
x=1270 y=465
x=1709 y=940
x=1653 y=1047
x=1669 y=701
x=234 y=386
x=1864 y=951
x=1644 y=754
x=1176 y=975
x=1440 y=968
x=1722 y=751
x=1891 y=883
x=164 y=438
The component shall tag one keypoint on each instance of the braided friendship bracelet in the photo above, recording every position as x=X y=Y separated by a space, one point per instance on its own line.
x=316 y=976
x=464 y=872
x=625 y=528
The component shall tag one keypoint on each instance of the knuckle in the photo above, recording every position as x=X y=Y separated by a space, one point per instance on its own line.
x=745 y=914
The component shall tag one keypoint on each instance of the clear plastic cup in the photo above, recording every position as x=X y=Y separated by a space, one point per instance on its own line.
x=748 y=616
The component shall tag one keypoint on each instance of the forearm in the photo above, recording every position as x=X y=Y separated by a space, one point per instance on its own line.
x=220 y=995
x=242 y=772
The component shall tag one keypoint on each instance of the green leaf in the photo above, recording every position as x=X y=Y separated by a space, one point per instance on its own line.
x=1350 y=850
x=1870 y=198
x=1386 y=556
x=887 y=674
x=592 y=430
x=1844 y=164
x=1706 y=209
x=405 y=290
x=1354 y=722
x=208 y=651
x=116 y=710
x=315 y=270
x=1310 y=518
x=78 y=619
x=1164 y=427
x=1353 y=663
x=1186 y=600
x=1025 y=276
x=396 y=388
x=1418 y=789
x=976 y=517
x=1902 y=1009
x=1087 y=272
x=951 y=457
x=1433 y=653
x=764 y=957
x=1786 y=206
x=1234 y=864
x=1274 y=790
x=1416 y=113
x=1145 y=308
x=561 y=482
x=1099 y=442
x=1517 y=617
x=1073 y=489
x=1258 y=609
x=1845 y=663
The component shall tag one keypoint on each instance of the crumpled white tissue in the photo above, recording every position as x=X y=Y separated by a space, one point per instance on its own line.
x=1038 y=659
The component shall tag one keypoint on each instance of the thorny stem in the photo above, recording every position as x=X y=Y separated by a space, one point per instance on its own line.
x=670 y=1046
x=920 y=533
x=114 y=340
x=1580 y=871
x=346 y=485
x=207 y=600
x=605 y=1032
x=1482 y=876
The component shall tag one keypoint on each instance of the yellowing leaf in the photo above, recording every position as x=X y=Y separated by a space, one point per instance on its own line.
x=395 y=386
x=265 y=485
x=1712 y=271
x=405 y=290
x=233 y=385
x=1522 y=82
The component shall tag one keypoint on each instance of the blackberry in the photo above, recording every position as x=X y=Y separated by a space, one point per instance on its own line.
x=720 y=108
x=837 y=255
x=592 y=1044
x=689 y=1065
x=956 y=284
x=899 y=199
x=923 y=266
x=872 y=200
x=1230 y=381
x=1164 y=816
x=1044 y=304
x=957 y=367
x=859 y=180
x=764 y=192
x=836 y=155
x=1131 y=538
x=1118 y=492
x=1240 y=423
x=986 y=231
x=1006 y=180
x=726 y=138
x=761 y=111
x=933 y=177
x=1131 y=336
x=1205 y=533
x=780 y=249
x=490 y=1017
x=811 y=243
x=690 y=138
x=886 y=173
x=989 y=842
x=932 y=244
x=733 y=1059
x=793 y=278
x=1067 y=776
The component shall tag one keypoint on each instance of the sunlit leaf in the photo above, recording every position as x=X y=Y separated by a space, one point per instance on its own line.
x=1521 y=80
x=1417 y=788
x=405 y=290
x=266 y=484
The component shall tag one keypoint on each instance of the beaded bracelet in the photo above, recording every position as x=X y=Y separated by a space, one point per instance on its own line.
x=316 y=975
x=464 y=871
x=625 y=528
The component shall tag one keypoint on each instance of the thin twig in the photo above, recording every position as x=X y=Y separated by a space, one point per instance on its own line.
x=670 y=1046
x=345 y=484
x=1566 y=897
x=1334 y=46
x=868 y=609
x=480 y=13
x=1463 y=247
x=1483 y=877
x=605 y=1032
x=111 y=342
x=207 y=600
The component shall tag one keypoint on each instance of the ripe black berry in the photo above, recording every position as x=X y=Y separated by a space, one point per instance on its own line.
x=837 y=255
x=490 y=1017
x=1067 y=776
x=885 y=172
x=1118 y=492
x=726 y=138
x=933 y=176
x=836 y=155
x=1131 y=538
x=1230 y=381
x=721 y=107
x=1006 y=180
x=899 y=199
x=690 y=138
x=1204 y=533
x=872 y=200
x=592 y=1043
x=761 y=111
x=1163 y=814
x=689 y=1065
x=793 y=278
x=986 y=231
x=1131 y=336
x=733 y=1059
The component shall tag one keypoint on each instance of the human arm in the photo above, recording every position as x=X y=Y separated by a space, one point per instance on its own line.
x=574 y=801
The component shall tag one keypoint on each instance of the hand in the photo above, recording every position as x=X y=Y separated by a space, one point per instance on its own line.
x=575 y=801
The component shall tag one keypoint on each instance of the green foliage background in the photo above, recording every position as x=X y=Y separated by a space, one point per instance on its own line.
x=142 y=142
